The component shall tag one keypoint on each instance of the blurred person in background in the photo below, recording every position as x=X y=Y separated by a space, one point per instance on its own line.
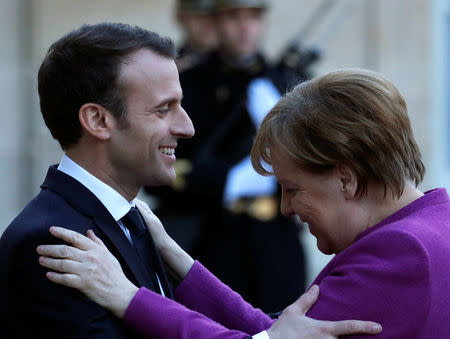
x=218 y=203
x=196 y=20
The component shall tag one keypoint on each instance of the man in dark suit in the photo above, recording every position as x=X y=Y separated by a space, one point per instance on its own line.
x=110 y=95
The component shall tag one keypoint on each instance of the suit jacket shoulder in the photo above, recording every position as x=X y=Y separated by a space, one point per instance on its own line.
x=51 y=310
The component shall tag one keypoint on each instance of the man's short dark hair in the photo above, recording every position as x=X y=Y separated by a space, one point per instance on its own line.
x=83 y=66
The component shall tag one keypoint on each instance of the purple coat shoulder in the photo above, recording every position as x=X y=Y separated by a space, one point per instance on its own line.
x=205 y=308
x=396 y=273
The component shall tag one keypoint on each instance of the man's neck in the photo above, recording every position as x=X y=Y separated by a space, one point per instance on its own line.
x=103 y=171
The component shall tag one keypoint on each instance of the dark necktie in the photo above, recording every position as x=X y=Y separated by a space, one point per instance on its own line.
x=143 y=243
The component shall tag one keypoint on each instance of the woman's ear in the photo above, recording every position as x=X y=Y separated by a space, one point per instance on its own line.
x=96 y=121
x=347 y=180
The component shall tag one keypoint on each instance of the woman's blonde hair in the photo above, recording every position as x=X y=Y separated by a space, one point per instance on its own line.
x=352 y=117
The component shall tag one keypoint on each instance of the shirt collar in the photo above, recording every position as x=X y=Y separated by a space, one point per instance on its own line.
x=115 y=203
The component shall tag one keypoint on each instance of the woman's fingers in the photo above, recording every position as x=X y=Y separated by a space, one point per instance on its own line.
x=60 y=265
x=142 y=206
x=153 y=223
x=349 y=327
x=306 y=300
x=76 y=239
x=60 y=252
x=91 y=235
x=149 y=217
x=69 y=280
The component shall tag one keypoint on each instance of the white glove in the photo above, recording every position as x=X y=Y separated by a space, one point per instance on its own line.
x=262 y=95
x=243 y=181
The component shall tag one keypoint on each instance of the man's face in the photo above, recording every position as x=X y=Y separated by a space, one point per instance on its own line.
x=143 y=152
x=240 y=30
x=200 y=30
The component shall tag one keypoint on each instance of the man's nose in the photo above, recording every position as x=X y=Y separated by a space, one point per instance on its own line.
x=183 y=128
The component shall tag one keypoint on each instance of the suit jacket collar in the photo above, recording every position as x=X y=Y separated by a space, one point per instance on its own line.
x=84 y=201
x=114 y=202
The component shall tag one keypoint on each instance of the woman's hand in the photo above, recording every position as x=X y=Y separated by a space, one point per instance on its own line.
x=156 y=228
x=89 y=267
x=173 y=255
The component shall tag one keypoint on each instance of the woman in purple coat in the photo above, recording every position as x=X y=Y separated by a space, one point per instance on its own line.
x=342 y=149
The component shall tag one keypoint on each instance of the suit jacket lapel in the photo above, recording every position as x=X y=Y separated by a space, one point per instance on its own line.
x=124 y=248
x=87 y=203
x=164 y=279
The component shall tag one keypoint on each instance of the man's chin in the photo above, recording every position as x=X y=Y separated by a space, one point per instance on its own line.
x=166 y=182
x=162 y=180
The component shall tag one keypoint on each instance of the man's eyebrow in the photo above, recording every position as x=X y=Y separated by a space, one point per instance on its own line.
x=167 y=101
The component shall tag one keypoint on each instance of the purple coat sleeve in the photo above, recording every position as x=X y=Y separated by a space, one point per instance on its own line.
x=383 y=277
x=203 y=292
x=153 y=316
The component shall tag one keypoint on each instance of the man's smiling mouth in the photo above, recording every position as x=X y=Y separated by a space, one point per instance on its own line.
x=167 y=150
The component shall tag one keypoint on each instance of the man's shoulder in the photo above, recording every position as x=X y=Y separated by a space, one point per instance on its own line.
x=32 y=223
x=25 y=291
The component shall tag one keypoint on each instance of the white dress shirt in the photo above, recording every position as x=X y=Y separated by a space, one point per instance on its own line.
x=113 y=201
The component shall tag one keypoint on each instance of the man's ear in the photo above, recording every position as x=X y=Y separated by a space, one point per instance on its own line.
x=348 y=181
x=96 y=121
